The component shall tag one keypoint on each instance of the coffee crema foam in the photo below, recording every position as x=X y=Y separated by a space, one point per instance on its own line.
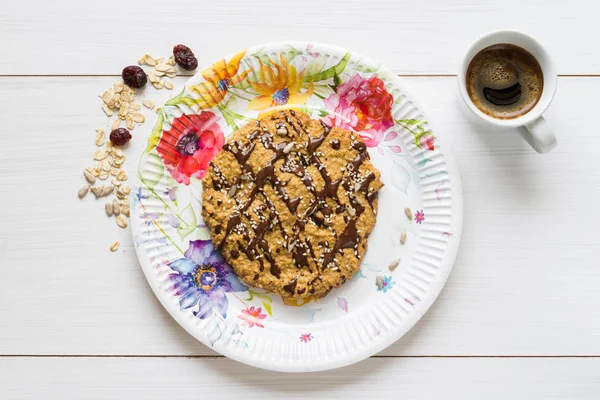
x=504 y=81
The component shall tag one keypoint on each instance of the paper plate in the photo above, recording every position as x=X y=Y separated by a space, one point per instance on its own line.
x=357 y=320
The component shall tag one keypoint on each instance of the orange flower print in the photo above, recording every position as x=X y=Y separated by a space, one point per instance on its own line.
x=218 y=79
x=279 y=86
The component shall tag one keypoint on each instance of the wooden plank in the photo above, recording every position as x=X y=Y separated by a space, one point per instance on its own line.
x=397 y=378
x=525 y=283
x=409 y=36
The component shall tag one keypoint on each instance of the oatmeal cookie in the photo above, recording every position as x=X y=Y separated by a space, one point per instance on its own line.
x=290 y=203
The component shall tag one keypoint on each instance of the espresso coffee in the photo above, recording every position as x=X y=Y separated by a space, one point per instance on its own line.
x=504 y=81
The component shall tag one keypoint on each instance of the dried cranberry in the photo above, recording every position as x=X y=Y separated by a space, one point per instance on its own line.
x=185 y=58
x=134 y=76
x=120 y=136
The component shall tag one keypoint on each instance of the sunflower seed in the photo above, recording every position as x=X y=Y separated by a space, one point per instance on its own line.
x=394 y=264
x=403 y=237
x=288 y=148
x=408 y=213
x=108 y=189
x=122 y=221
x=282 y=131
x=83 y=191
x=125 y=209
x=116 y=210
x=100 y=155
x=351 y=211
x=114 y=246
x=96 y=190
x=148 y=104
x=89 y=177
x=379 y=281
x=108 y=208
x=232 y=191
x=100 y=137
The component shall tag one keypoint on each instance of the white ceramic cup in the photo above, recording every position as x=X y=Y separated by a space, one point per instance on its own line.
x=538 y=133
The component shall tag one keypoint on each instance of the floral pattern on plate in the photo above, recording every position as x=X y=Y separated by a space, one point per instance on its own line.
x=342 y=89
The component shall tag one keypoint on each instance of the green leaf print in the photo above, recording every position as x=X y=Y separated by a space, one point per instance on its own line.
x=154 y=171
x=156 y=133
x=329 y=72
x=187 y=222
x=265 y=300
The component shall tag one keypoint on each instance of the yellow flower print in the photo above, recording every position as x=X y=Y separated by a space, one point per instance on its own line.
x=219 y=78
x=279 y=86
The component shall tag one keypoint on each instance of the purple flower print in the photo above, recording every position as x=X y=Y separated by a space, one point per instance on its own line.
x=202 y=279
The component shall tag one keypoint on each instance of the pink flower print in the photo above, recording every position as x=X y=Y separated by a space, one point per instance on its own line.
x=420 y=217
x=306 y=337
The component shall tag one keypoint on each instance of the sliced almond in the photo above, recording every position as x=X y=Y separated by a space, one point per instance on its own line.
x=171 y=61
x=158 y=85
x=100 y=155
x=116 y=124
x=107 y=110
x=108 y=95
x=149 y=60
x=122 y=221
x=153 y=78
x=100 y=137
x=168 y=84
x=159 y=73
x=148 y=104
x=114 y=246
x=138 y=117
x=106 y=165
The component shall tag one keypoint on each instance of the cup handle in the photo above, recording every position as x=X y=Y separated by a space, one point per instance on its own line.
x=539 y=135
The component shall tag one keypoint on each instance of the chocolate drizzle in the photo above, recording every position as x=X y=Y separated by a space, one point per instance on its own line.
x=319 y=209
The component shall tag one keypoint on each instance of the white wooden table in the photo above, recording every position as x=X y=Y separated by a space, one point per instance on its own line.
x=519 y=317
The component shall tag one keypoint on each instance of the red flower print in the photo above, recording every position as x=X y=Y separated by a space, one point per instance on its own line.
x=362 y=105
x=190 y=144
x=306 y=337
x=427 y=141
x=252 y=316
